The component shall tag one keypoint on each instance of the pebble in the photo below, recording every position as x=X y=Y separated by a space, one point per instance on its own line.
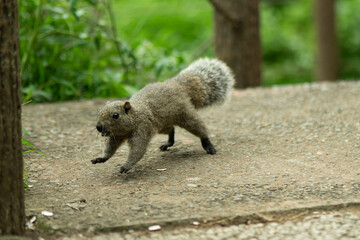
x=154 y=228
x=47 y=213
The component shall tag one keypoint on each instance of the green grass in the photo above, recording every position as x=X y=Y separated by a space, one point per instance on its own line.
x=175 y=24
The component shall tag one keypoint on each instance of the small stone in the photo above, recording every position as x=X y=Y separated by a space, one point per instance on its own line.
x=47 y=213
x=154 y=228
x=195 y=223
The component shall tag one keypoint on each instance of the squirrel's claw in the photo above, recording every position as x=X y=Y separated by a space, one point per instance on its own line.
x=164 y=147
x=99 y=160
x=124 y=169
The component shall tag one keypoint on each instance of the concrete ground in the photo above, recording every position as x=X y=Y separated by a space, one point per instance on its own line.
x=283 y=154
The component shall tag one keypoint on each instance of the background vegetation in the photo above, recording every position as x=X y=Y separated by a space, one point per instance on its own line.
x=77 y=49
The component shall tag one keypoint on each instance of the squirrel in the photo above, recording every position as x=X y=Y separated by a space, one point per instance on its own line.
x=158 y=107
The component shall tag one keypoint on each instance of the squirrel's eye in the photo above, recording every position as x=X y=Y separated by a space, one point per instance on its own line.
x=116 y=115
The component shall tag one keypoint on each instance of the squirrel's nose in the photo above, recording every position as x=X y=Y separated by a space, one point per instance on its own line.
x=99 y=128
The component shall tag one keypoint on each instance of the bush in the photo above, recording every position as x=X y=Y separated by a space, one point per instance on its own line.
x=70 y=50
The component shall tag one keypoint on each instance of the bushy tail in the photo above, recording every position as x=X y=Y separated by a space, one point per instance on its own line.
x=207 y=81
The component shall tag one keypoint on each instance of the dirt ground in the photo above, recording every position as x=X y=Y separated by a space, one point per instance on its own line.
x=278 y=148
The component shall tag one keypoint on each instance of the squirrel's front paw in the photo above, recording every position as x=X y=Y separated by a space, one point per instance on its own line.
x=98 y=160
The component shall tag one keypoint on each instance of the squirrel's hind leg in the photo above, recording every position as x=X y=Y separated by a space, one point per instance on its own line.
x=192 y=123
x=208 y=147
x=171 y=140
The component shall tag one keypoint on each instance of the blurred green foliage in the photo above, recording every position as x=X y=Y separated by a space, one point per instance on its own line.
x=175 y=24
x=288 y=41
x=70 y=50
x=75 y=49
x=348 y=22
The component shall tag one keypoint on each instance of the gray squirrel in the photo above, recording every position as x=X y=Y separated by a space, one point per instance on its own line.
x=158 y=107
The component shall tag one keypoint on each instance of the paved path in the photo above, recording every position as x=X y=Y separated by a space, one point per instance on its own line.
x=279 y=148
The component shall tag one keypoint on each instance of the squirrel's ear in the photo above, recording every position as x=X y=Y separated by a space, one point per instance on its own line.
x=126 y=105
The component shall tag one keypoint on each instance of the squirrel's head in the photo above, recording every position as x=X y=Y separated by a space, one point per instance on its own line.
x=116 y=119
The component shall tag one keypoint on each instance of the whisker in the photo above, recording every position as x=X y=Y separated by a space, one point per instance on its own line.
x=113 y=136
x=94 y=132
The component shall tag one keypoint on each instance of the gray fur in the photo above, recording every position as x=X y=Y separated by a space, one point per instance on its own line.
x=216 y=77
x=158 y=107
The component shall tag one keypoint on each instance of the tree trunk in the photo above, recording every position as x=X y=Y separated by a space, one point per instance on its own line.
x=12 y=212
x=237 y=39
x=327 y=49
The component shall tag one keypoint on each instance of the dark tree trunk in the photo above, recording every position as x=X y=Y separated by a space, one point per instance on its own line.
x=327 y=49
x=237 y=39
x=12 y=212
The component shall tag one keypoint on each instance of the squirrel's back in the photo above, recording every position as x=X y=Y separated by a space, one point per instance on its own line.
x=207 y=82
